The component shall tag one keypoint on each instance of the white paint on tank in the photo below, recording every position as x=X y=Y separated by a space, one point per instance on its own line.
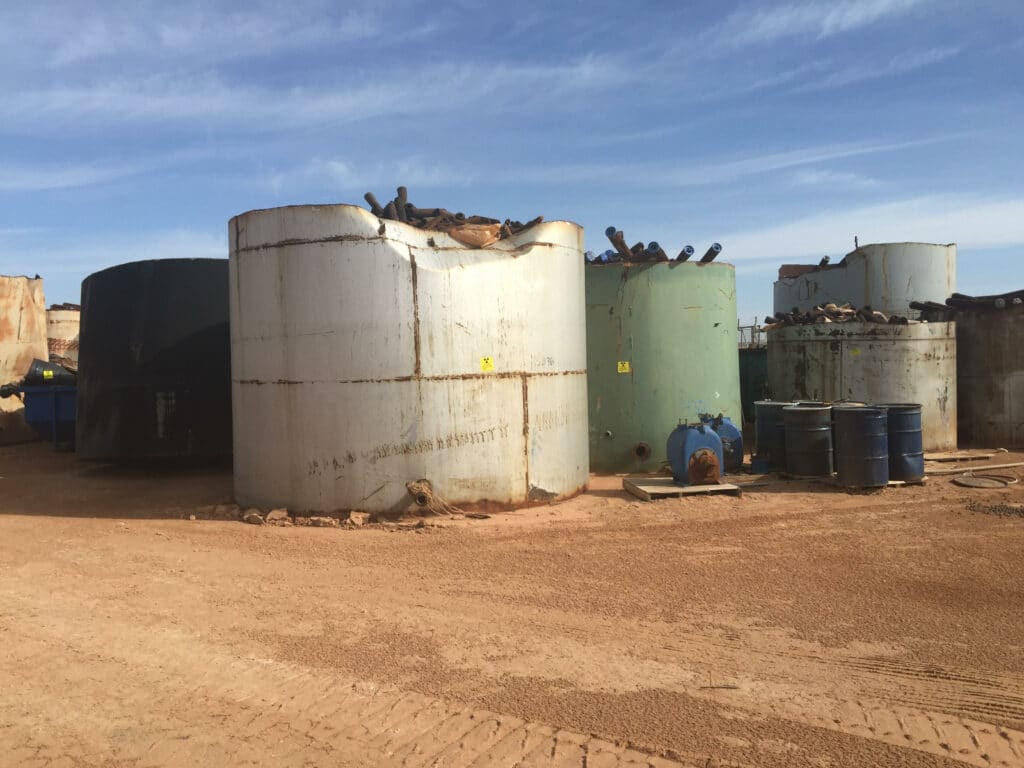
x=885 y=276
x=367 y=353
x=871 y=363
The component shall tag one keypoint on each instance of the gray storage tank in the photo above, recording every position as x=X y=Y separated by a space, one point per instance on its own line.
x=871 y=363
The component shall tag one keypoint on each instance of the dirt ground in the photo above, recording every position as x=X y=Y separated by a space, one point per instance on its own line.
x=795 y=626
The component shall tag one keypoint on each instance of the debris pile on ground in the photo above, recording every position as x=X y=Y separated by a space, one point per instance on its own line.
x=66 y=306
x=960 y=302
x=1001 y=510
x=640 y=253
x=476 y=231
x=833 y=313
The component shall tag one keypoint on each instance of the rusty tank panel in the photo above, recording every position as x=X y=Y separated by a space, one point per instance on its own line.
x=62 y=333
x=871 y=363
x=22 y=340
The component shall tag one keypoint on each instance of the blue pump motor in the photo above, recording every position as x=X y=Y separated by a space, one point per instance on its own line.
x=687 y=440
x=732 y=440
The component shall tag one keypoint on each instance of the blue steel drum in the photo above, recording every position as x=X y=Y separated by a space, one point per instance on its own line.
x=770 y=433
x=862 y=446
x=808 y=440
x=906 y=449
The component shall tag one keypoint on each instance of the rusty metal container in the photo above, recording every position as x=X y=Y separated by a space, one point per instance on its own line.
x=62 y=333
x=22 y=339
x=885 y=276
x=990 y=377
x=871 y=363
x=154 y=376
x=661 y=351
x=368 y=354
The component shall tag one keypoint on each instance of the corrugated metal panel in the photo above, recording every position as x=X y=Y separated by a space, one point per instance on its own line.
x=661 y=348
x=885 y=276
x=871 y=363
x=22 y=339
x=368 y=354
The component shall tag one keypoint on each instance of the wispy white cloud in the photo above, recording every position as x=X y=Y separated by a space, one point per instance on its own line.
x=21 y=178
x=760 y=23
x=837 y=180
x=349 y=174
x=72 y=34
x=174 y=98
x=971 y=222
x=718 y=172
x=901 y=64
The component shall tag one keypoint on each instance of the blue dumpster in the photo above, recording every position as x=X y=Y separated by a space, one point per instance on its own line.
x=50 y=411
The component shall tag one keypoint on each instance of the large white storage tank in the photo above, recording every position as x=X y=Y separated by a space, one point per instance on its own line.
x=871 y=363
x=885 y=276
x=367 y=353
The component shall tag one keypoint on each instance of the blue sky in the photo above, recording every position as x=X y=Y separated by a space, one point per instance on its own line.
x=781 y=129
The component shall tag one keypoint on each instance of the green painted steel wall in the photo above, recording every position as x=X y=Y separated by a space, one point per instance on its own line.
x=675 y=326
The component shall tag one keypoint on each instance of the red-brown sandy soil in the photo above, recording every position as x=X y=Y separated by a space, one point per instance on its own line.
x=794 y=626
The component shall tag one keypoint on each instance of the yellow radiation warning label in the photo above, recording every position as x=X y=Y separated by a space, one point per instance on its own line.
x=487 y=363
x=624 y=366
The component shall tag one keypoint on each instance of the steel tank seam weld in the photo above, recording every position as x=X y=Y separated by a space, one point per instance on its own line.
x=416 y=343
x=448 y=377
x=526 y=431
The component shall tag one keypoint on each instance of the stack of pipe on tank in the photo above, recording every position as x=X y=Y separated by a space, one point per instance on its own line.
x=661 y=349
x=154 y=368
x=871 y=363
x=369 y=354
x=22 y=340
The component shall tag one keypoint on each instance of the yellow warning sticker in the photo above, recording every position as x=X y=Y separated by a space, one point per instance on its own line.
x=47 y=374
x=487 y=363
x=624 y=366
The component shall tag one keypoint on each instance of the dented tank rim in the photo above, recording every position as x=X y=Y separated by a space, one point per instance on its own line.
x=361 y=209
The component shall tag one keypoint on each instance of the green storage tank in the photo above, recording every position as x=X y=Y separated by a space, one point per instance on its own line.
x=661 y=349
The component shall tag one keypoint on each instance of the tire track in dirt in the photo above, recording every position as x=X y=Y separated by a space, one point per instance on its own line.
x=179 y=702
